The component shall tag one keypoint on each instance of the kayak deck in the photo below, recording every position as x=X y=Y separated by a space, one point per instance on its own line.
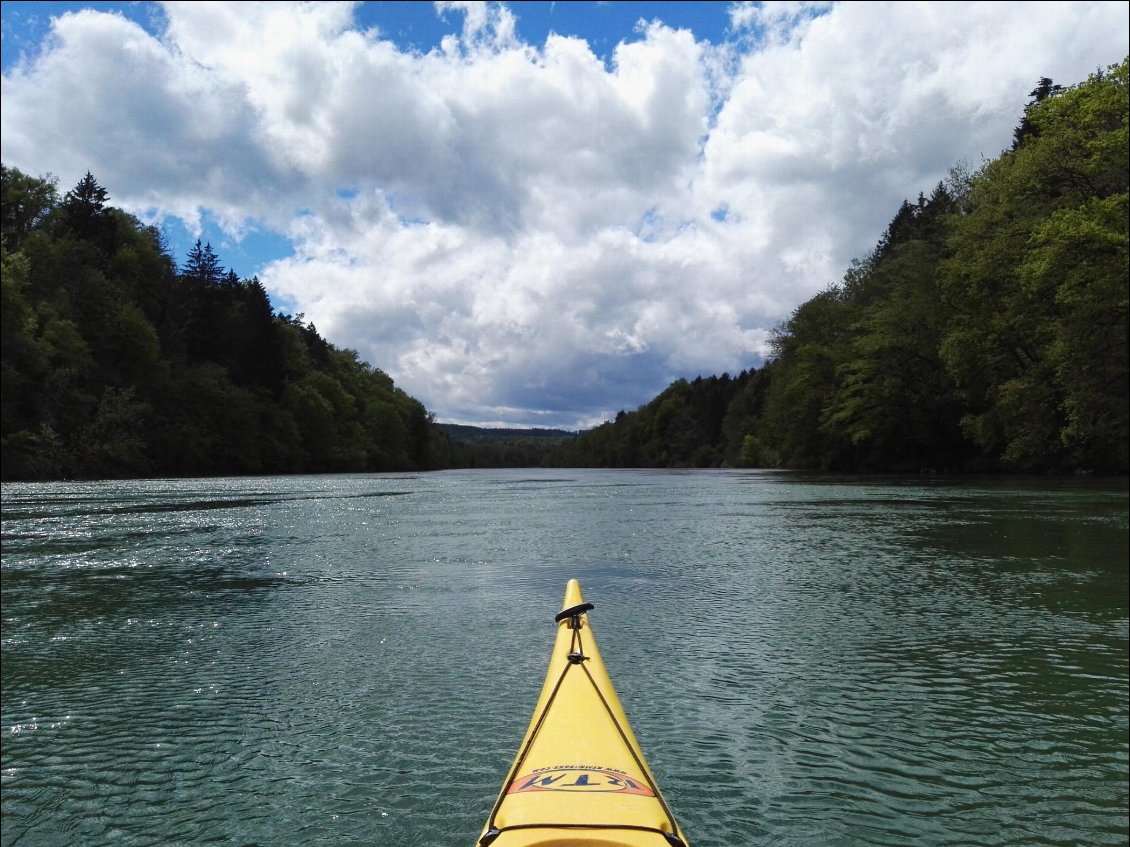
x=579 y=777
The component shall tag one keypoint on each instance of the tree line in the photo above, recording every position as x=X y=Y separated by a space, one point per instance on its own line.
x=117 y=363
x=985 y=332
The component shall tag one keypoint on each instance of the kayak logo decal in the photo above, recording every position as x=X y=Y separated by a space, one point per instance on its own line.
x=581 y=780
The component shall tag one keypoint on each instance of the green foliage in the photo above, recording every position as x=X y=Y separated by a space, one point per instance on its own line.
x=686 y=426
x=893 y=401
x=1037 y=279
x=483 y=447
x=1080 y=257
x=117 y=365
x=986 y=331
x=113 y=444
x=808 y=351
x=25 y=202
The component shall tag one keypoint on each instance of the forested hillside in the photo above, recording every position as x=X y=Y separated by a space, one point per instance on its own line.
x=691 y=424
x=486 y=447
x=118 y=364
x=987 y=330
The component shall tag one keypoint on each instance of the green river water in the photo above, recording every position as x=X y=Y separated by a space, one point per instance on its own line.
x=352 y=660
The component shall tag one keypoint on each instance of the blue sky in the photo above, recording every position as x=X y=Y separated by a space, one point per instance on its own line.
x=412 y=25
x=415 y=24
x=532 y=214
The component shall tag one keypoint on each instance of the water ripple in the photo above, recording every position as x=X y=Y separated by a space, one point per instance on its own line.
x=353 y=660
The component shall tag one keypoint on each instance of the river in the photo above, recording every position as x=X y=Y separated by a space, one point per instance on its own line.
x=352 y=660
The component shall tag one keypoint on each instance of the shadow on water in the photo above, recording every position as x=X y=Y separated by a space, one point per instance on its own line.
x=44 y=508
x=46 y=544
x=81 y=624
x=1057 y=546
x=70 y=595
x=1065 y=559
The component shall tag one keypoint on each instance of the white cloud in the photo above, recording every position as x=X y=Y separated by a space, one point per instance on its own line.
x=485 y=25
x=774 y=20
x=519 y=232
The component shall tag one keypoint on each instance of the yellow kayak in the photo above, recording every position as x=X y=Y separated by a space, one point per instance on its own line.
x=579 y=778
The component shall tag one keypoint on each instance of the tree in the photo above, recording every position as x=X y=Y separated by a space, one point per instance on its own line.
x=24 y=204
x=202 y=269
x=84 y=214
x=1037 y=278
x=894 y=401
x=115 y=364
x=1026 y=130
x=807 y=352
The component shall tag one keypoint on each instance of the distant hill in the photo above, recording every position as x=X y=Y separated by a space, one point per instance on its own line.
x=489 y=447
x=459 y=432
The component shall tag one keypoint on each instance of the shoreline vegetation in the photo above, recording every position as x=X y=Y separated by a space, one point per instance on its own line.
x=985 y=333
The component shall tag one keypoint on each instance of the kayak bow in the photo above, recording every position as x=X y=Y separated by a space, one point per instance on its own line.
x=579 y=778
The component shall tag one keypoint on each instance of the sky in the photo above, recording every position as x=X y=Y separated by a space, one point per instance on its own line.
x=532 y=214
